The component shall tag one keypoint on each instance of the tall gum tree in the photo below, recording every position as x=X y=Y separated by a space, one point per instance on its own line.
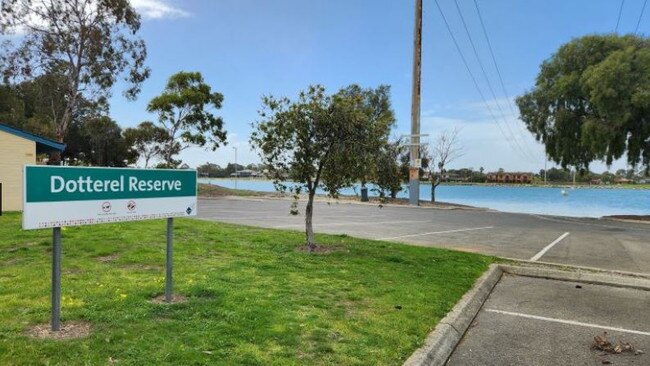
x=90 y=43
x=185 y=111
x=315 y=142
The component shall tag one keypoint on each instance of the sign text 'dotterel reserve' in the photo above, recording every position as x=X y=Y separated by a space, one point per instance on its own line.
x=66 y=196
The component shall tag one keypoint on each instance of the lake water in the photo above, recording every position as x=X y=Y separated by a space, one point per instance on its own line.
x=580 y=202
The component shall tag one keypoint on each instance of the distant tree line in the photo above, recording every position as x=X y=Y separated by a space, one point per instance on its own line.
x=559 y=175
x=211 y=170
x=93 y=138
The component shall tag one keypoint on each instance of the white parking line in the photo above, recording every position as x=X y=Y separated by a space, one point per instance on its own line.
x=246 y=212
x=570 y=322
x=548 y=247
x=354 y=223
x=438 y=232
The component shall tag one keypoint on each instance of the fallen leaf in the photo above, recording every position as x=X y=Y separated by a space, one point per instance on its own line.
x=602 y=344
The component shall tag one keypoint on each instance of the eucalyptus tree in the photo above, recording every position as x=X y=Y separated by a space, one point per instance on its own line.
x=315 y=142
x=146 y=141
x=379 y=118
x=185 y=111
x=387 y=177
x=91 y=44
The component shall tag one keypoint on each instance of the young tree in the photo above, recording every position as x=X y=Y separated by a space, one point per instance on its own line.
x=146 y=141
x=185 y=110
x=315 y=140
x=446 y=149
x=386 y=177
x=590 y=101
x=379 y=119
x=89 y=43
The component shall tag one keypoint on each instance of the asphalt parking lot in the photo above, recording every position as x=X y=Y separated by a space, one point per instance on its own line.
x=531 y=321
x=603 y=244
x=525 y=321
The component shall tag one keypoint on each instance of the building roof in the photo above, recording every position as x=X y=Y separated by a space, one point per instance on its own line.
x=43 y=145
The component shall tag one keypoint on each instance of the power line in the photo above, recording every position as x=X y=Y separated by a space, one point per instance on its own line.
x=494 y=60
x=487 y=80
x=620 y=11
x=640 y=16
x=469 y=71
x=496 y=66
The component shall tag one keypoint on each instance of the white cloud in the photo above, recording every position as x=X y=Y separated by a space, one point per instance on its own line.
x=158 y=9
x=150 y=9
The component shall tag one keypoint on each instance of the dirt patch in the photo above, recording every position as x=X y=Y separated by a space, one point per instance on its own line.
x=145 y=267
x=321 y=249
x=400 y=201
x=176 y=299
x=353 y=307
x=107 y=258
x=69 y=330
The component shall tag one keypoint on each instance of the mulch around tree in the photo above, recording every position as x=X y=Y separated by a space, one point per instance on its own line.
x=69 y=330
x=321 y=249
x=176 y=299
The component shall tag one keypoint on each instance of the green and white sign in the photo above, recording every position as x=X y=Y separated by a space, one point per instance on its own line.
x=56 y=196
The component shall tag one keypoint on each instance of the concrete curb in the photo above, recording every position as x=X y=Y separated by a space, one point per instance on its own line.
x=442 y=341
x=570 y=267
x=596 y=278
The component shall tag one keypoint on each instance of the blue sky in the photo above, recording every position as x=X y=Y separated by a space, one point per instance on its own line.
x=248 y=48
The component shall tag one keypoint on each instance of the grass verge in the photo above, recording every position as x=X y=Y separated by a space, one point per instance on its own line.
x=212 y=190
x=252 y=298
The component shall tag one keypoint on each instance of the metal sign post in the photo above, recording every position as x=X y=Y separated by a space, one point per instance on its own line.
x=170 y=248
x=58 y=196
x=56 y=278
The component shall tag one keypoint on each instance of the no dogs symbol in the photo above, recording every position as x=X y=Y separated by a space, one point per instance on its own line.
x=130 y=205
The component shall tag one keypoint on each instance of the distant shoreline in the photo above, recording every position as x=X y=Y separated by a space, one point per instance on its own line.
x=216 y=191
x=640 y=186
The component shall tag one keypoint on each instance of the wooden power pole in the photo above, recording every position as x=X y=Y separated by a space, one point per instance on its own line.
x=414 y=166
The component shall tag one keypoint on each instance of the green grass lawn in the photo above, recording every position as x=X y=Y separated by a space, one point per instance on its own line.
x=252 y=298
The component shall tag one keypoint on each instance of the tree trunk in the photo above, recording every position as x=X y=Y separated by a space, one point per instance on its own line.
x=56 y=157
x=309 y=229
x=433 y=190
